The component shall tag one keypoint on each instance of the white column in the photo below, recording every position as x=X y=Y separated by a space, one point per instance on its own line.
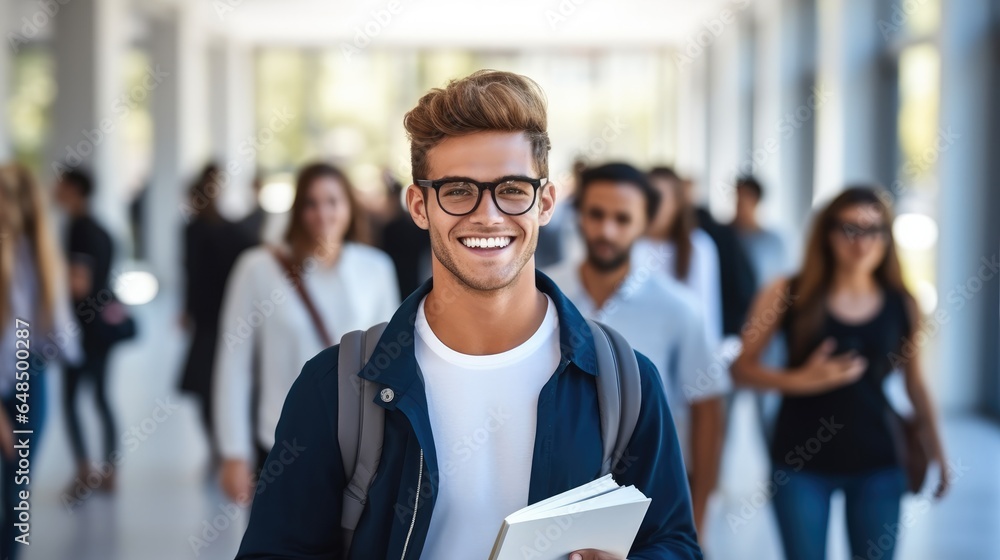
x=231 y=87
x=967 y=205
x=849 y=45
x=784 y=113
x=88 y=43
x=180 y=135
x=692 y=107
x=768 y=140
x=726 y=121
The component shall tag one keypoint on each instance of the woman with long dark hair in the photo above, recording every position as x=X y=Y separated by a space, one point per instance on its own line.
x=283 y=305
x=846 y=316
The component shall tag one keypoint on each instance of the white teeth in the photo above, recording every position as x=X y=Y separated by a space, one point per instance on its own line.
x=487 y=242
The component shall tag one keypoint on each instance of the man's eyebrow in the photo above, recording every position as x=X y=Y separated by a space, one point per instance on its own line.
x=498 y=180
x=514 y=178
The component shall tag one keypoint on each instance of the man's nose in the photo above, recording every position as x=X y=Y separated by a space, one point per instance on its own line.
x=487 y=212
x=608 y=228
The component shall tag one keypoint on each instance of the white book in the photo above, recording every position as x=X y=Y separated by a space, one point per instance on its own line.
x=601 y=515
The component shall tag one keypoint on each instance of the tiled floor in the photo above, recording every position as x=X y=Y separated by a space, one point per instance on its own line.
x=166 y=506
x=965 y=524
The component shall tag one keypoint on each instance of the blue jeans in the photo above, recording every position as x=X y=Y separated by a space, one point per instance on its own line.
x=872 y=499
x=9 y=548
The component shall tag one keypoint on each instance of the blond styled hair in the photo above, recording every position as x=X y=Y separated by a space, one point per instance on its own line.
x=24 y=213
x=488 y=100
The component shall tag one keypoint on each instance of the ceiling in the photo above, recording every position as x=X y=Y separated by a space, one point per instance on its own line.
x=507 y=25
x=480 y=24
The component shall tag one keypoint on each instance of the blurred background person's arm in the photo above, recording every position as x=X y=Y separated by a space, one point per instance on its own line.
x=233 y=384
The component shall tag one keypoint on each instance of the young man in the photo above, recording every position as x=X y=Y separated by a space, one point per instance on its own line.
x=488 y=371
x=764 y=247
x=769 y=258
x=656 y=314
x=90 y=252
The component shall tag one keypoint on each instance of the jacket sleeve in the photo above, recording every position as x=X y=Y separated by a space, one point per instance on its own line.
x=297 y=505
x=654 y=465
x=233 y=384
x=192 y=263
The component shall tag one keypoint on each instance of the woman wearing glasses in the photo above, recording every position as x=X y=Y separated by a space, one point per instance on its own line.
x=846 y=316
x=284 y=304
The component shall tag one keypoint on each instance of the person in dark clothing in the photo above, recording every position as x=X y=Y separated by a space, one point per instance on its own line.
x=211 y=245
x=846 y=316
x=90 y=253
x=735 y=270
x=763 y=246
x=407 y=245
x=251 y=227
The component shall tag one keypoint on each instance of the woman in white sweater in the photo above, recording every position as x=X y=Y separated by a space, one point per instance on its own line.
x=266 y=324
x=676 y=246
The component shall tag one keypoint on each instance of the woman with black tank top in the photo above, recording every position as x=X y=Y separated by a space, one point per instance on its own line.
x=845 y=316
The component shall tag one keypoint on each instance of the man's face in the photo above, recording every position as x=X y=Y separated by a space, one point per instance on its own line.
x=612 y=218
x=746 y=201
x=66 y=195
x=481 y=156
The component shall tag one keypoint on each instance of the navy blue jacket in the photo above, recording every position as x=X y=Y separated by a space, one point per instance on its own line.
x=296 y=510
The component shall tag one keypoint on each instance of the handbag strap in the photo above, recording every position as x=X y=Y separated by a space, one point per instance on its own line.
x=300 y=287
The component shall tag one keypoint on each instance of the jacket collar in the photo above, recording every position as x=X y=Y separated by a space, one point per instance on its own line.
x=394 y=364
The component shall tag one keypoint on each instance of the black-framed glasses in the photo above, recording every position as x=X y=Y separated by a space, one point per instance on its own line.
x=459 y=196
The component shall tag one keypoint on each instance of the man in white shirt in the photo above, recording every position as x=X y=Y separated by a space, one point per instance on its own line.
x=655 y=313
x=488 y=387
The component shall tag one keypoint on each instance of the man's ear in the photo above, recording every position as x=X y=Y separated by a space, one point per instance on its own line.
x=416 y=203
x=546 y=203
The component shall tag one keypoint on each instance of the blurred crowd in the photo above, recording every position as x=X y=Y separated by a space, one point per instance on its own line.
x=715 y=306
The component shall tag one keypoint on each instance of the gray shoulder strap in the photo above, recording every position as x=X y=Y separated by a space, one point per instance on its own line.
x=619 y=392
x=360 y=425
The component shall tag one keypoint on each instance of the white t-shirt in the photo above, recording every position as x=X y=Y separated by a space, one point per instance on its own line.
x=483 y=413
x=660 y=318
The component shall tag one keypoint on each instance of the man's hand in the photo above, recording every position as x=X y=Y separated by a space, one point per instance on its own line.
x=591 y=554
x=237 y=481
x=80 y=280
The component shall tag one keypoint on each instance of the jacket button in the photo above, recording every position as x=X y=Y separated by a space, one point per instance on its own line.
x=387 y=395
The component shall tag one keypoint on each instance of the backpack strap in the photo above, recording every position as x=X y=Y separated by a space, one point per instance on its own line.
x=619 y=392
x=360 y=425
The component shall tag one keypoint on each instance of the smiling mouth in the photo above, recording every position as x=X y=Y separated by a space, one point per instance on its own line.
x=498 y=242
